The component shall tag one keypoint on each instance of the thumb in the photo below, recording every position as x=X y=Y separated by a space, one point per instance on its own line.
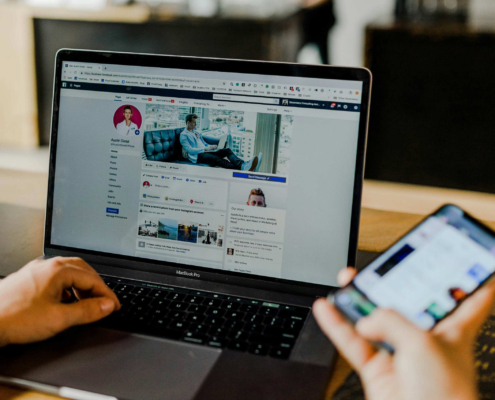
x=388 y=326
x=88 y=310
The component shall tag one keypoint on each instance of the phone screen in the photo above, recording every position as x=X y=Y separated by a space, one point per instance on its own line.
x=427 y=273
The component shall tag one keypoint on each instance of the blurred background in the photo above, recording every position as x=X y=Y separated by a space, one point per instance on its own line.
x=432 y=61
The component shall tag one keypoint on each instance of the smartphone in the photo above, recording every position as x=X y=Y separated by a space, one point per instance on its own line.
x=427 y=273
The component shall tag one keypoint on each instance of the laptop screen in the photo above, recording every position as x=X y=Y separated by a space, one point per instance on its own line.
x=233 y=172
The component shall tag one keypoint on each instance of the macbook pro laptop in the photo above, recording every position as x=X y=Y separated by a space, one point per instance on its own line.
x=216 y=263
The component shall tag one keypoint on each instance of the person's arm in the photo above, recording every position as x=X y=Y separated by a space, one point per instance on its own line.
x=31 y=307
x=192 y=150
x=187 y=146
x=426 y=365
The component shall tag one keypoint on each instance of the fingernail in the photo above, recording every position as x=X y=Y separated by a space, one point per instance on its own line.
x=107 y=305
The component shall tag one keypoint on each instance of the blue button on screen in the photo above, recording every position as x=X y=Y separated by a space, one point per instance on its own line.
x=112 y=210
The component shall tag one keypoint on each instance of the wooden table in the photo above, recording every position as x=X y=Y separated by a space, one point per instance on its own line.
x=380 y=227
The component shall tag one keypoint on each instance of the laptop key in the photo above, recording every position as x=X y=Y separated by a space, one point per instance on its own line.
x=212 y=302
x=194 y=337
x=268 y=311
x=178 y=306
x=138 y=309
x=215 y=312
x=240 y=336
x=259 y=349
x=293 y=314
x=193 y=308
x=177 y=315
x=124 y=288
x=179 y=325
x=214 y=321
x=194 y=299
x=159 y=323
x=140 y=291
x=254 y=319
x=142 y=301
x=280 y=353
x=230 y=305
x=218 y=331
x=234 y=315
x=157 y=312
x=199 y=328
x=285 y=344
x=159 y=303
x=231 y=324
x=158 y=294
x=197 y=318
x=249 y=308
x=176 y=296
x=254 y=328
x=238 y=346
x=293 y=326
x=274 y=322
x=111 y=285
x=217 y=341
x=125 y=297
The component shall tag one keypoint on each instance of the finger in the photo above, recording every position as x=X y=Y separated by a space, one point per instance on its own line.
x=86 y=311
x=346 y=275
x=80 y=280
x=466 y=321
x=350 y=344
x=66 y=295
x=78 y=263
x=389 y=326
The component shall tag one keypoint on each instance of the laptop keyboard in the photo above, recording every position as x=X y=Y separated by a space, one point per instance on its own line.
x=206 y=318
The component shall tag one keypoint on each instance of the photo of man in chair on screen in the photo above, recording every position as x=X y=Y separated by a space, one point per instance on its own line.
x=198 y=150
x=218 y=138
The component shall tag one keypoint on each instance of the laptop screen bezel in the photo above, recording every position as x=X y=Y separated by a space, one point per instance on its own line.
x=216 y=65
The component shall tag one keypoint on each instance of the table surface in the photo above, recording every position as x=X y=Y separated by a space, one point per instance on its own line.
x=389 y=210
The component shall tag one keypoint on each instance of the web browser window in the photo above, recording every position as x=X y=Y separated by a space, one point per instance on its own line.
x=245 y=173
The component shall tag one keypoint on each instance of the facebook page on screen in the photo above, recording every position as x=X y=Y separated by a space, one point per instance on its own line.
x=246 y=173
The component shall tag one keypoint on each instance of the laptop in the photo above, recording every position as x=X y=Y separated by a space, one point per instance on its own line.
x=216 y=267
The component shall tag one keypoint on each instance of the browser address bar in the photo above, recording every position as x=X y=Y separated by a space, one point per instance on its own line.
x=246 y=99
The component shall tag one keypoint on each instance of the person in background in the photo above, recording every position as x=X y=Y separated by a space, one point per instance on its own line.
x=426 y=365
x=317 y=18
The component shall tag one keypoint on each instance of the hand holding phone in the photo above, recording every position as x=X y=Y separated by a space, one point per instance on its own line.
x=427 y=364
x=426 y=274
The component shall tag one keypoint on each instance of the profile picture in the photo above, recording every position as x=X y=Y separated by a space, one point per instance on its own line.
x=285 y=102
x=256 y=198
x=230 y=252
x=127 y=120
x=146 y=184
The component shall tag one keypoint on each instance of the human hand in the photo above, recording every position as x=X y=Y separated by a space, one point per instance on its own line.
x=426 y=365
x=212 y=147
x=31 y=307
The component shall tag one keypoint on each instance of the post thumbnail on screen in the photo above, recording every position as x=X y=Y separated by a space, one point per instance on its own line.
x=235 y=140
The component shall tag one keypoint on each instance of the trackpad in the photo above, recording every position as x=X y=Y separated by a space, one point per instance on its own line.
x=113 y=363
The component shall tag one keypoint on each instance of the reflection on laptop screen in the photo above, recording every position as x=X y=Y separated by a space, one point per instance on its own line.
x=246 y=173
